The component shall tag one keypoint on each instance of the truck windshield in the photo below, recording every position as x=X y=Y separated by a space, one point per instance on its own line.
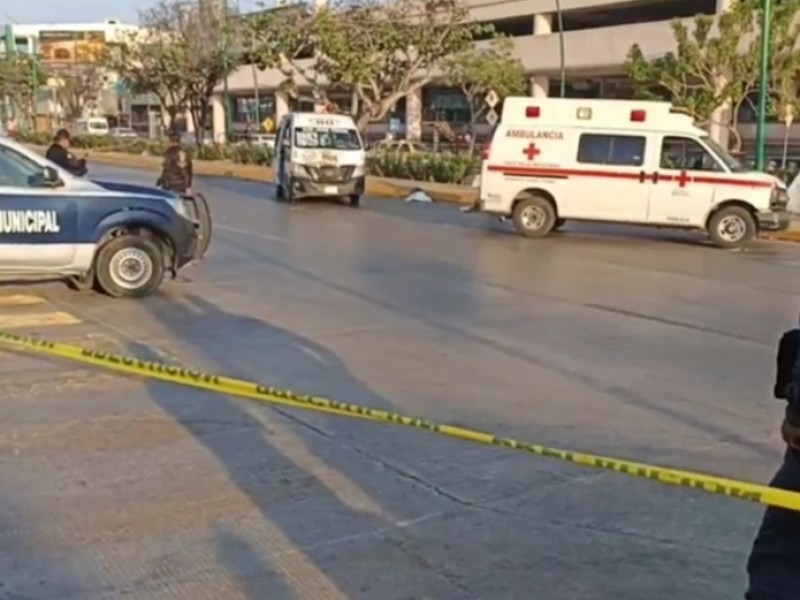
x=327 y=139
x=729 y=161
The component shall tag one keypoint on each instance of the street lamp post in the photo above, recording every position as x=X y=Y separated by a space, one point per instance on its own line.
x=763 y=85
x=561 y=52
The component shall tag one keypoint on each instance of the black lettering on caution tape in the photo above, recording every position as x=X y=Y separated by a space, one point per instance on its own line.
x=153 y=367
x=27 y=341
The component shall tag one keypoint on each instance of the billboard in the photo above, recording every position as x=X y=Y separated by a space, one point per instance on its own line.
x=71 y=46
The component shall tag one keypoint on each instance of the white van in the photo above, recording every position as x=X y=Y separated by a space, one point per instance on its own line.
x=92 y=126
x=319 y=155
x=645 y=163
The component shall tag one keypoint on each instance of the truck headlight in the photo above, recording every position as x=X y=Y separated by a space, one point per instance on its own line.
x=178 y=205
x=359 y=171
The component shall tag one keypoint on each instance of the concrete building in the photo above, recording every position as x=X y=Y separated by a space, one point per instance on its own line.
x=70 y=46
x=597 y=36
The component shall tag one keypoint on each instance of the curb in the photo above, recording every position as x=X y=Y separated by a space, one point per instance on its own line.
x=376 y=186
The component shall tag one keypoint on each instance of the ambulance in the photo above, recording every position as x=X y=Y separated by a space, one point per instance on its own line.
x=553 y=160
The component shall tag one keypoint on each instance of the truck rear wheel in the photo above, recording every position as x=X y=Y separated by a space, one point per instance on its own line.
x=534 y=217
x=129 y=266
x=732 y=227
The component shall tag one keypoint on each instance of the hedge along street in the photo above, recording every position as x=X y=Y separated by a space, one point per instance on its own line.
x=376 y=186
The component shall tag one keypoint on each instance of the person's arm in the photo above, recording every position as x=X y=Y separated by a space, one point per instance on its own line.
x=189 y=172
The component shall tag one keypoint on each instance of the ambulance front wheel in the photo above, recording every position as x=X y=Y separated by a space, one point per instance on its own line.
x=534 y=217
x=732 y=227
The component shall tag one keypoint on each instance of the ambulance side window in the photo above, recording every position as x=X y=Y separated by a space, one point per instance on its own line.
x=613 y=150
x=685 y=154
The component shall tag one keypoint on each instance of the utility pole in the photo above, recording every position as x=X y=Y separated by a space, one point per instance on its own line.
x=763 y=85
x=561 y=50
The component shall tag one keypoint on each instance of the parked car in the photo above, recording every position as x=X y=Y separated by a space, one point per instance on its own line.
x=122 y=132
x=261 y=139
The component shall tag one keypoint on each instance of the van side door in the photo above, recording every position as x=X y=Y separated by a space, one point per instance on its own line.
x=684 y=183
x=609 y=182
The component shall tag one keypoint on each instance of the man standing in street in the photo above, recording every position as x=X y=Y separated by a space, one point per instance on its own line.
x=774 y=564
x=176 y=171
x=59 y=153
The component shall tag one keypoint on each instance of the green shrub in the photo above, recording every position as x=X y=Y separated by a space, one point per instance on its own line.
x=441 y=167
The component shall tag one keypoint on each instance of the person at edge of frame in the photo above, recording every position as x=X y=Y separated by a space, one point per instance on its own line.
x=176 y=170
x=773 y=567
x=59 y=153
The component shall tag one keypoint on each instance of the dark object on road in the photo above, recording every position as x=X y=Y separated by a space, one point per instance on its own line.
x=176 y=171
x=774 y=564
x=59 y=153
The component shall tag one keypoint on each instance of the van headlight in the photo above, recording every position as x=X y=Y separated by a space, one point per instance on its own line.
x=360 y=171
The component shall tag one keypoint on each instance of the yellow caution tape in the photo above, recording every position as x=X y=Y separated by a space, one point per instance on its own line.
x=741 y=490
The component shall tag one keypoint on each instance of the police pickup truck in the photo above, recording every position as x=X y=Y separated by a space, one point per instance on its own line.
x=117 y=237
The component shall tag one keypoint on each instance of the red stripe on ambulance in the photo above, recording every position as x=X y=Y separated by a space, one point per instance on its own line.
x=683 y=179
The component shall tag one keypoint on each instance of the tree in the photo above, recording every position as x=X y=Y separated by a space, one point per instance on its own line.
x=709 y=72
x=77 y=86
x=383 y=51
x=21 y=76
x=284 y=39
x=479 y=70
x=185 y=48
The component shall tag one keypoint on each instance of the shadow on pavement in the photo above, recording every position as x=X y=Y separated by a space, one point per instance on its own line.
x=422 y=315
x=309 y=487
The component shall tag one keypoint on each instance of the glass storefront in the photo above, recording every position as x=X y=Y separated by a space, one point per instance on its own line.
x=444 y=104
x=244 y=109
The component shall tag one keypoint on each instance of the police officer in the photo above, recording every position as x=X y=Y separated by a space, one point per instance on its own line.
x=176 y=171
x=59 y=153
x=774 y=564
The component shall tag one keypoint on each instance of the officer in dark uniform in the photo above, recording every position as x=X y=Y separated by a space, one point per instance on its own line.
x=176 y=171
x=59 y=153
x=774 y=564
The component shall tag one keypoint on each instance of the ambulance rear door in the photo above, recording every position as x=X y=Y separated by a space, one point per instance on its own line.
x=609 y=181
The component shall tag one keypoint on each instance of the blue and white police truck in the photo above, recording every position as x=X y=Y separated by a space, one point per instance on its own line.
x=119 y=238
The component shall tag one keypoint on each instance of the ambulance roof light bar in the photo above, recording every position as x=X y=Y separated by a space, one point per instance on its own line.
x=532 y=112
x=638 y=116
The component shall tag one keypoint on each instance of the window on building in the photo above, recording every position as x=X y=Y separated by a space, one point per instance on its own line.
x=445 y=104
x=511 y=27
x=618 y=150
x=245 y=110
x=632 y=12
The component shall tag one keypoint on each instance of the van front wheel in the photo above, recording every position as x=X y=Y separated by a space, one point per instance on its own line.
x=534 y=217
x=732 y=227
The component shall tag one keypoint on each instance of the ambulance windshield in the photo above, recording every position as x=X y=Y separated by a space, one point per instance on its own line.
x=729 y=161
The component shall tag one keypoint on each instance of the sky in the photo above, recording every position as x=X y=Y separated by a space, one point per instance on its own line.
x=78 y=11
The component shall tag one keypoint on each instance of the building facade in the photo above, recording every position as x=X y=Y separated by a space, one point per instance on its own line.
x=597 y=35
x=71 y=49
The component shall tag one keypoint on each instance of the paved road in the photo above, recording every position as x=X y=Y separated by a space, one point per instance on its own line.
x=635 y=344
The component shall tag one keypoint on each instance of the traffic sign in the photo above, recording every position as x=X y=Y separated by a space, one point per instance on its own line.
x=491 y=99
x=268 y=124
x=492 y=117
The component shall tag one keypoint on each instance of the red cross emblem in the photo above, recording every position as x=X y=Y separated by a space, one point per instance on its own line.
x=531 y=152
x=683 y=179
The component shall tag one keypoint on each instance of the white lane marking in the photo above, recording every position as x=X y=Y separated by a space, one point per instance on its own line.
x=263 y=236
x=20 y=300
x=8 y=321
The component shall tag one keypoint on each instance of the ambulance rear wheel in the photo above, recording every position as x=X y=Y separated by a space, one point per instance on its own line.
x=732 y=227
x=534 y=217
x=129 y=266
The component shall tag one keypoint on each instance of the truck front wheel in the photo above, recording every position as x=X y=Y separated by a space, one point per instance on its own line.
x=130 y=266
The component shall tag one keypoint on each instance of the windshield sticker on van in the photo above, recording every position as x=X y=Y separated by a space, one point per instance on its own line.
x=534 y=134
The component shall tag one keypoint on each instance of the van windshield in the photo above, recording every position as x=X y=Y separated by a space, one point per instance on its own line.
x=325 y=138
x=725 y=156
